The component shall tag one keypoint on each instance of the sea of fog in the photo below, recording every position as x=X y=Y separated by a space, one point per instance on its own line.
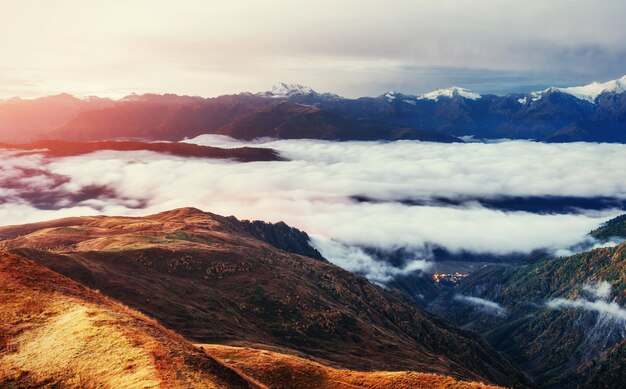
x=407 y=195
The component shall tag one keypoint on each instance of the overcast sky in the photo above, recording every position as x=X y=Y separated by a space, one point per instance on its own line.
x=351 y=47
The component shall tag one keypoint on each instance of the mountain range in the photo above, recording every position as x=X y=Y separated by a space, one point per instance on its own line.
x=594 y=112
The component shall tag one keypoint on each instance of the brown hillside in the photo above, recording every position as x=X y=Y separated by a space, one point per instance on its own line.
x=205 y=277
x=281 y=371
x=56 y=333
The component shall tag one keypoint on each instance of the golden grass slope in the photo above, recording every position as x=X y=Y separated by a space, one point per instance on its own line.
x=55 y=333
x=281 y=371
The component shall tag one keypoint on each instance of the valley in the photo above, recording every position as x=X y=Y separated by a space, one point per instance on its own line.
x=350 y=194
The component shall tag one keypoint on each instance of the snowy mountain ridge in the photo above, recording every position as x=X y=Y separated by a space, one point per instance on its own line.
x=450 y=92
x=589 y=92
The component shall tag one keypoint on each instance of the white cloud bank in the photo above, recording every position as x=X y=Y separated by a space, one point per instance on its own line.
x=313 y=191
x=611 y=309
x=356 y=260
x=600 y=291
x=487 y=306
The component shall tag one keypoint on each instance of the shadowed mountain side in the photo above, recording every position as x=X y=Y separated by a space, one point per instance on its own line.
x=280 y=235
x=561 y=320
x=602 y=372
x=57 y=333
x=57 y=148
x=168 y=117
x=286 y=120
x=207 y=278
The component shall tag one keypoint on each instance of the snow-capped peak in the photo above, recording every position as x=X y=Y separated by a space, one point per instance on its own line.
x=390 y=96
x=591 y=91
x=286 y=90
x=451 y=92
x=587 y=92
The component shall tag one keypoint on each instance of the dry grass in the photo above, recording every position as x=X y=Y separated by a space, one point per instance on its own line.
x=278 y=371
x=56 y=333
x=81 y=345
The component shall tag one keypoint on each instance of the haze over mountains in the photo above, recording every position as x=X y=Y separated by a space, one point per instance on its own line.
x=594 y=112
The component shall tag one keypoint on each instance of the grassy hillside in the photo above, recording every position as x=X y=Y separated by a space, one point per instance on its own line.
x=209 y=279
x=56 y=333
x=282 y=371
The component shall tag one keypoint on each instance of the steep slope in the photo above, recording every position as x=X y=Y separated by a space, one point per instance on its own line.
x=602 y=372
x=56 y=333
x=282 y=371
x=207 y=278
x=555 y=318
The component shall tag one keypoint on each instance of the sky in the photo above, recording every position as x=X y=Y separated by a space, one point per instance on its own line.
x=350 y=47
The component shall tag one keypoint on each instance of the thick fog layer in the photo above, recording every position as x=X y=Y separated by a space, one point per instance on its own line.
x=315 y=191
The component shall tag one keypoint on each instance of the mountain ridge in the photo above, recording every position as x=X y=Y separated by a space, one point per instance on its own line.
x=187 y=268
x=556 y=114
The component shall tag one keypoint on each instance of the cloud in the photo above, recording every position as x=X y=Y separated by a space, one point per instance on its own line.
x=599 y=290
x=487 y=306
x=356 y=260
x=315 y=190
x=610 y=309
x=587 y=244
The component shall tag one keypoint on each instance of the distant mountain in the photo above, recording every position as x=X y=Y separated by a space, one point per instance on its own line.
x=157 y=117
x=591 y=92
x=561 y=320
x=286 y=120
x=218 y=280
x=59 y=148
x=283 y=90
x=594 y=112
x=25 y=120
x=454 y=91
